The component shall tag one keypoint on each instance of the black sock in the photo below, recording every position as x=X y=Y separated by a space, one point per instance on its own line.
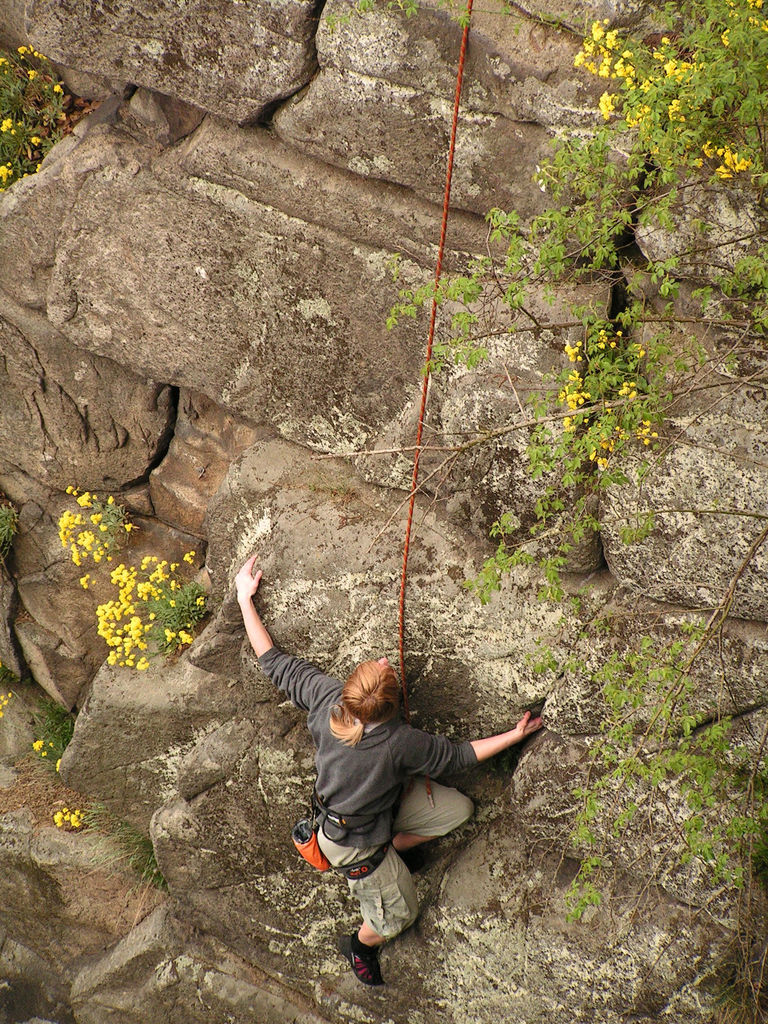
x=361 y=949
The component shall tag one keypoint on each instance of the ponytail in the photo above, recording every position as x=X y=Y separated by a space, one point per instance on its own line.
x=346 y=727
x=371 y=695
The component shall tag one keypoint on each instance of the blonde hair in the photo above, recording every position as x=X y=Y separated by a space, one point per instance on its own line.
x=370 y=696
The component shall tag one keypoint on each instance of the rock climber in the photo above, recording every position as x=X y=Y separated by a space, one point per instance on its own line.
x=376 y=800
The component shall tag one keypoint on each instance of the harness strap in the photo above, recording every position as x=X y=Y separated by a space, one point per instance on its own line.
x=365 y=867
x=348 y=821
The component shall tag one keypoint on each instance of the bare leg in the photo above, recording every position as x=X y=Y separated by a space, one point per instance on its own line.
x=369 y=936
x=407 y=840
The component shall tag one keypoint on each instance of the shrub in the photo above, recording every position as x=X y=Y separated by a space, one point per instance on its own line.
x=54 y=726
x=156 y=611
x=31 y=112
x=123 y=843
x=9 y=520
x=95 y=531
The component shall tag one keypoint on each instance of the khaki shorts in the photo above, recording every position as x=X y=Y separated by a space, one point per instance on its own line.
x=387 y=896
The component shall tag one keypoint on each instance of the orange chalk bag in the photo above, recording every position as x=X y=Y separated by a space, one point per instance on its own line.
x=304 y=837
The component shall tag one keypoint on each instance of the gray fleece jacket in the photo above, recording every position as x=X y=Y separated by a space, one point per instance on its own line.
x=367 y=778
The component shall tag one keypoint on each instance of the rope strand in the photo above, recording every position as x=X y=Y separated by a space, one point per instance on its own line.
x=430 y=341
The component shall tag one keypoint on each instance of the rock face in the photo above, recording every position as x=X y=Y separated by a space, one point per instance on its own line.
x=90 y=419
x=194 y=292
x=380 y=118
x=78 y=907
x=195 y=52
x=122 y=711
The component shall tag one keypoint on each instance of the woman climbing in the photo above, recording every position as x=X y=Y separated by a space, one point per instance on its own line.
x=373 y=798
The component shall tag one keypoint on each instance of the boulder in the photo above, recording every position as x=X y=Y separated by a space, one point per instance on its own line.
x=70 y=418
x=639 y=15
x=725 y=220
x=225 y=264
x=233 y=59
x=626 y=961
x=62 y=672
x=34 y=209
x=31 y=986
x=9 y=653
x=12 y=24
x=16 y=732
x=479 y=422
x=134 y=730
x=214 y=758
x=158 y=973
x=85 y=906
x=162 y=119
x=332 y=561
x=261 y=167
x=205 y=440
x=729 y=676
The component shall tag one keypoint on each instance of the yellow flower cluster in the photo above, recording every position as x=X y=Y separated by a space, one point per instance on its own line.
x=95 y=531
x=40 y=747
x=644 y=432
x=573 y=352
x=607 y=105
x=573 y=394
x=146 y=613
x=605 y=55
x=603 y=341
x=4 y=698
x=595 y=351
x=731 y=164
x=599 y=50
x=65 y=817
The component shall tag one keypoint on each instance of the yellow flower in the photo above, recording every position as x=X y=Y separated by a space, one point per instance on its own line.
x=57 y=88
x=85 y=580
x=38 y=745
x=607 y=105
x=724 y=38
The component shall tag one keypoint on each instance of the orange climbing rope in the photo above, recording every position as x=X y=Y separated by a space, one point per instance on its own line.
x=430 y=340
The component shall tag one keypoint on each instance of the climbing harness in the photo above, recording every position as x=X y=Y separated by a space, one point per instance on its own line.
x=341 y=824
x=366 y=866
x=304 y=837
x=430 y=340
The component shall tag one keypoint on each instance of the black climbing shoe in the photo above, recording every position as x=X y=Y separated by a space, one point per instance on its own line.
x=365 y=966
